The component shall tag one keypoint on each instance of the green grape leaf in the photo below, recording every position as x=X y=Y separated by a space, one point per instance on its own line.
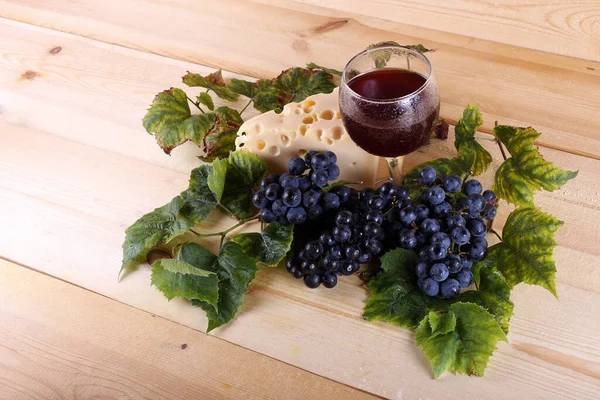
x=244 y=172
x=175 y=278
x=204 y=98
x=171 y=220
x=235 y=271
x=525 y=171
x=243 y=87
x=465 y=142
x=525 y=253
x=269 y=246
x=393 y=294
x=216 y=180
x=219 y=141
x=268 y=97
x=170 y=120
x=212 y=82
x=441 y=323
x=466 y=348
x=328 y=70
x=493 y=293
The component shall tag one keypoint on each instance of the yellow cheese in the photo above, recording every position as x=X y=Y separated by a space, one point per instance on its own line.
x=314 y=124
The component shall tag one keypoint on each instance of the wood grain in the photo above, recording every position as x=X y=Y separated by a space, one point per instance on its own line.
x=55 y=206
x=562 y=27
x=514 y=86
x=59 y=341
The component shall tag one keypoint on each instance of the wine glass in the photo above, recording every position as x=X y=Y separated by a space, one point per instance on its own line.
x=389 y=101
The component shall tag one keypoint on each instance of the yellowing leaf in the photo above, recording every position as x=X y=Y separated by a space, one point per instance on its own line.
x=212 y=82
x=219 y=141
x=525 y=171
x=467 y=347
x=525 y=253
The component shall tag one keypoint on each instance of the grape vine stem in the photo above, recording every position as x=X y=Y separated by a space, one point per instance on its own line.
x=195 y=103
x=497 y=235
x=500 y=144
x=224 y=233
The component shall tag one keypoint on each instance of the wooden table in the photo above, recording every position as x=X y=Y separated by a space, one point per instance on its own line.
x=76 y=168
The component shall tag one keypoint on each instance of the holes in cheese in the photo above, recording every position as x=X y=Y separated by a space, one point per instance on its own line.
x=314 y=124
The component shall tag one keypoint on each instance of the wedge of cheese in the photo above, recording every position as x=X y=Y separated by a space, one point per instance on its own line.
x=314 y=124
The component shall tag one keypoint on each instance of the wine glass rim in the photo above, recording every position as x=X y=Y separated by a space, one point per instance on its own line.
x=395 y=99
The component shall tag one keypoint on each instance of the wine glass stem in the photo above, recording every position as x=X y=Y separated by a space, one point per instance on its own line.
x=395 y=168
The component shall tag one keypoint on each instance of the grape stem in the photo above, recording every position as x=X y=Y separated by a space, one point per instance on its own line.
x=500 y=144
x=246 y=106
x=224 y=233
x=497 y=235
x=195 y=103
x=228 y=211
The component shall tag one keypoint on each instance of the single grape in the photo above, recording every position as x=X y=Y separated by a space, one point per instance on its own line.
x=335 y=252
x=319 y=161
x=407 y=239
x=489 y=212
x=267 y=215
x=455 y=221
x=346 y=267
x=478 y=251
x=429 y=226
x=372 y=229
x=422 y=212
x=364 y=258
x=333 y=172
x=297 y=273
x=292 y=196
x=278 y=208
x=450 y=288
x=443 y=238
x=452 y=183
x=273 y=191
x=422 y=270
x=312 y=281
x=442 y=210
x=308 y=156
x=332 y=265
x=332 y=157
x=438 y=251
x=331 y=201
x=476 y=227
x=475 y=203
x=329 y=280
x=385 y=190
x=313 y=249
x=319 y=178
x=343 y=193
x=489 y=196
x=430 y=287
x=315 y=212
x=435 y=195
x=355 y=266
x=290 y=263
x=376 y=203
x=326 y=239
x=374 y=216
x=374 y=246
x=311 y=197
x=366 y=193
x=401 y=192
x=287 y=181
x=439 y=272
x=464 y=278
x=472 y=187
x=352 y=252
x=259 y=199
x=407 y=215
x=427 y=175
x=296 y=166
x=465 y=264
x=460 y=235
x=343 y=217
x=342 y=233
x=296 y=215
x=453 y=262
x=272 y=178
x=304 y=183
x=308 y=267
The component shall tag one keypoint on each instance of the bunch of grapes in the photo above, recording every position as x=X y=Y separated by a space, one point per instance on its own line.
x=447 y=229
x=297 y=196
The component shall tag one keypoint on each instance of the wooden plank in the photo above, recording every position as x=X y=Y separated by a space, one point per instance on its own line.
x=555 y=94
x=561 y=27
x=74 y=220
x=61 y=341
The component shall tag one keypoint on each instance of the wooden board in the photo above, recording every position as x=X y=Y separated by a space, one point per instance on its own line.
x=555 y=94
x=61 y=341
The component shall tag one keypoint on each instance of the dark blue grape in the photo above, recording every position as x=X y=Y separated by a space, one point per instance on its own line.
x=464 y=278
x=442 y=210
x=312 y=281
x=296 y=215
x=460 y=235
x=443 y=238
x=326 y=239
x=372 y=229
x=297 y=273
x=335 y=252
x=453 y=262
x=304 y=183
x=287 y=181
x=282 y=220
x=319 y=161
x=333 y=172
x=290 y=263
x=332 y=157
x=259 y=199
x=385 y=190
x=374 y=246
x=450 y=288
x=376 y=203
x=308 y=267
x=278 y=208
x=489 y=196
x=319 y=178
x=427 y=175
x=292 y=196
x=272 y=178
x=343 y=193
x=461 y=204
x=313 y=249
x=435 y=195
x=346 y=267
x=438 y=251
x=475 y=203
x=309 y=155
x=273 y=191
x=407 y=239
x=329 y=280
x=296 y=166
x=425 y=254
x=342 y=233
x=267 y=215
x=465 y=264
x=374 y=216
x=311 y=197
x=315 y=212
x=422 y=212
x=407 y=215
x=455 y=221
x=344 y=217
x=478 y=250
x=430 y=287
x=352 y=252
x=364 y=258
x=472 y=187
x=401 y=192
x=355 y=266
x=331 y=201
x=358 y=233
x=476 y=227
x=439 y=272
x=452 y=183
x=489 y=212
x=366 y=193
x=429 y=226
x=422 y=270
x=421 y=238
